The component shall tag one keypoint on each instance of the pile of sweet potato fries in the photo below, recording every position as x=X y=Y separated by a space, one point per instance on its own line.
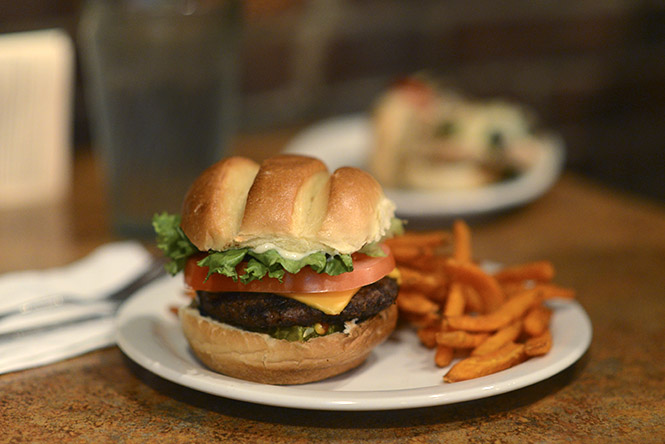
x=493 y=321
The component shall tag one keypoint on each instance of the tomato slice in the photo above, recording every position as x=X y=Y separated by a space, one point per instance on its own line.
x=417 y=91
x=366 y=270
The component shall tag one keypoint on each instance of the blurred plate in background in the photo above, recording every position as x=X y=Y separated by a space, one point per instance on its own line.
x=347 y=141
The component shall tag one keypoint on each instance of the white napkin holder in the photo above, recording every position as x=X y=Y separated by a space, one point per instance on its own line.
x=36 y=90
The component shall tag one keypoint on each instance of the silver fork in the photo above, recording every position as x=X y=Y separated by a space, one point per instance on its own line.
x=154 y=271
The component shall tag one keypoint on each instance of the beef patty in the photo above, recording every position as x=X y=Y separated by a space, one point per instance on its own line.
x=261 y=311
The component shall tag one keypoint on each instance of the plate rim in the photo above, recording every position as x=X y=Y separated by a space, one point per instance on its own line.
x=207 y=381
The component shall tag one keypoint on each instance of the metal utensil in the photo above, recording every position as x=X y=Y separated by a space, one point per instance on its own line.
x=113 y=300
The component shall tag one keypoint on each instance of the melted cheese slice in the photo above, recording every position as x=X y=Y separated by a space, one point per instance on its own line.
x=395 y=274
x=331 y=303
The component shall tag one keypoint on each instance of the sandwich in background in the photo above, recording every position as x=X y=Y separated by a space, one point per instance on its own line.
x=431 y=138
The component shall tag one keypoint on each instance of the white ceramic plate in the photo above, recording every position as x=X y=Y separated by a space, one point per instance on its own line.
x=399 y=374
x=348 y=140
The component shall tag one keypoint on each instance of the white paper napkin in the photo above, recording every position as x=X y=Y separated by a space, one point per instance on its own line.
x=106 y=269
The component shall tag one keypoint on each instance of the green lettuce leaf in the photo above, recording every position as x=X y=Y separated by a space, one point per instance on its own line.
x=299 y=333
x=338 y=264
x=272 y=264
x=374 y=249
x=177 y=247
x=396 y=227
x=172 y=241
x=223 y=262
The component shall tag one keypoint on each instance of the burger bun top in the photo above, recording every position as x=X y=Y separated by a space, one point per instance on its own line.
x=289 y=202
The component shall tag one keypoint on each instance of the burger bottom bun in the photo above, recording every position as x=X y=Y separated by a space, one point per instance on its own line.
x=260 y=358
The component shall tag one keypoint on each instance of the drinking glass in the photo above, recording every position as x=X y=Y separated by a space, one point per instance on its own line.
x=161 y=85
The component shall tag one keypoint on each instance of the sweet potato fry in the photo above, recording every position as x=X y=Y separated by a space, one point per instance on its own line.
x=405 y=254
x=419 y=320
x=427 y=335
x=461 y=241
x=537 y=320
x=455 y=302
x=427 y=264
x=511 y=288
x=487 y=287
x=417 y=281
x=425 y=238
x=416 y=303
x=475 y=366
x=492 y=321
x=547 y=291
x=440 y=294
x=540 y=271
x=552 y=291
x=460 y=339
x=472 y=301
x=507 y=334
x=511 y=310
x=539 y=345
x=443 y=355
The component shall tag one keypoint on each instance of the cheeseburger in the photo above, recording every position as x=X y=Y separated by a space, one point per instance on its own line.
x=292 y=282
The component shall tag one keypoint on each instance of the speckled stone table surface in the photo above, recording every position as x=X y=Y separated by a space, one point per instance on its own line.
x=609 y=246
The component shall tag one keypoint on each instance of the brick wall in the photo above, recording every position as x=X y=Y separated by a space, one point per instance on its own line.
x=593 y=69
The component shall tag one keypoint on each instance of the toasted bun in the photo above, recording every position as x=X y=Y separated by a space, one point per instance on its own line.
x=290 y=201
x=260 y=358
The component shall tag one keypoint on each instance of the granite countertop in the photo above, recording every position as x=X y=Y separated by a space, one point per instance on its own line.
x=609 y=247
